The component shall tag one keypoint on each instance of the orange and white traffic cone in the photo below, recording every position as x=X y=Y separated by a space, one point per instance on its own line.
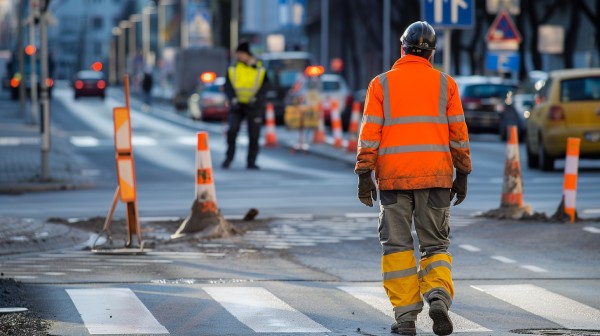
x=270 y=134
x=205 y=212
x=511 y=204
x=566 y=209
x=353 y=128
x=319 y=133
x=336 y=125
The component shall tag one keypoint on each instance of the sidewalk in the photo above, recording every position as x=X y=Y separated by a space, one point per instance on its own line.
x=20 y=155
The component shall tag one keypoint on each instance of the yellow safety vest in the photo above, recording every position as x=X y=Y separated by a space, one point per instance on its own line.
x=246 y=80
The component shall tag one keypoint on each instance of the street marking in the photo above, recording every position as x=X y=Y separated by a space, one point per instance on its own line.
x=114 y=311
x=363 y=215
x=17 y=141
x=534 y=268
x=504 y=259
x=143 y=141
x=591 y=229
x=548 y=305
x=262 y=311
x=469 y=248
x=376 y=298
x=84 y=141
x=591 y=211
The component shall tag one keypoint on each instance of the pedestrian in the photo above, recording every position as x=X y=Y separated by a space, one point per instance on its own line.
x=246 y=86
x=147 y=83
x=413 y=135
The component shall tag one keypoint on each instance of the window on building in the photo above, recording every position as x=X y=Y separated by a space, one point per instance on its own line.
x=97 y=23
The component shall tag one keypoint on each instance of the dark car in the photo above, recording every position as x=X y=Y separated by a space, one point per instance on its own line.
x=483 y=101
x=210 y=103
x=89 y=83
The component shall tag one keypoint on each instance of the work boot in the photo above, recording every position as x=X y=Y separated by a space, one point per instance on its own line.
x=404 y=328
x=438 y=311
x=226 y=164
x=253 y=166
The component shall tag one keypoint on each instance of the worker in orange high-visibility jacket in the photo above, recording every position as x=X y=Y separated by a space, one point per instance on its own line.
x=413 y=135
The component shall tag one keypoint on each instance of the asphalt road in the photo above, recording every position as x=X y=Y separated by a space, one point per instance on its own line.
x=314 y=269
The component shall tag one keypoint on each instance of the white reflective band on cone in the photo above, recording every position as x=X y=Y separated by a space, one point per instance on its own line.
x=570 y=196
x=571 y=164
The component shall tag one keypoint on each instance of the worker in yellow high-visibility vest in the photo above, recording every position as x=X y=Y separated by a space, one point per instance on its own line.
x=245 y=87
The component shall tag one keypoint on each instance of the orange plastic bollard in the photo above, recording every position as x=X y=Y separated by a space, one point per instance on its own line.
x=319 y=134
x=270 y=135
x=205 y=184
x=336 y=125
x=353 y=128
x=571 y=170
x=512 y=186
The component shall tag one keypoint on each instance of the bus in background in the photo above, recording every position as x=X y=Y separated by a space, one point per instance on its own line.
x=283 y=69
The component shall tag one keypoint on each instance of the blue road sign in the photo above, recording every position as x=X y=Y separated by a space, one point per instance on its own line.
x=452 y=14
x=502 y=61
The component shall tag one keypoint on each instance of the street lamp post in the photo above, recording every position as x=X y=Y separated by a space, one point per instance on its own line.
x=146 y=12
x=133 y=19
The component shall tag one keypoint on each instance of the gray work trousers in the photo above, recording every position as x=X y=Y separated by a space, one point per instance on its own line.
x=430 y=210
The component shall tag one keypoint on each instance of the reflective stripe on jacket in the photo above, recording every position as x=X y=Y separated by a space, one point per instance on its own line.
x=413 y=129
x=246 y=80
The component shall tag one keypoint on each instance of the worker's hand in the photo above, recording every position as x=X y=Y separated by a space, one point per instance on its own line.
x=367 y=191
x=459 y=188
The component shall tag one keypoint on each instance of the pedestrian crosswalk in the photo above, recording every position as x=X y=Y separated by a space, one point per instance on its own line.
x=270 y=309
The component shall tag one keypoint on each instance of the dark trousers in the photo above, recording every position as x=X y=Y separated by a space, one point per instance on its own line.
x=253 y=118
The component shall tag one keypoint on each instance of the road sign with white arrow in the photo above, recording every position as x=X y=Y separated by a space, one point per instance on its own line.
x=452 y=14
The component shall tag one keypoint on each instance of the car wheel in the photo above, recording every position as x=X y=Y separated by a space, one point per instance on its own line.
x=546 y=163
x=532 y=159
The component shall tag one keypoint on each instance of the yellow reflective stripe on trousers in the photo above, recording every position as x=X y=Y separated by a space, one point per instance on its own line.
x=401 y=281
x=438 y=276
x=442 y=104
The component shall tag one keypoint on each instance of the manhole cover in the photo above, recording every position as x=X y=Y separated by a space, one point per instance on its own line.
x=554 y=332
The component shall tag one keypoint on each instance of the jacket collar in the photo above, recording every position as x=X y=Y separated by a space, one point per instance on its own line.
x=412 y=59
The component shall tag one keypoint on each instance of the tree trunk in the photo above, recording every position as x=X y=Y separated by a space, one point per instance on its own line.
x=571 y=36
x=536 y=57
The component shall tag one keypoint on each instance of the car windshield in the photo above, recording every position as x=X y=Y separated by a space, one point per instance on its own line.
x=487 y=90
x=89 y=75
x=284 y=72
x=580 y=89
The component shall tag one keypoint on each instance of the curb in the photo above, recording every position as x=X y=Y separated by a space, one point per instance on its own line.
x=41 y=187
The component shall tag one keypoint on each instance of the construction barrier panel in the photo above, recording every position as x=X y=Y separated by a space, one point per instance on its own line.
x=336 y=125
x=571 y=171
x=353 y=128
x=301 y=116
x=124 y=154
x=270 y=134
x=319 y=133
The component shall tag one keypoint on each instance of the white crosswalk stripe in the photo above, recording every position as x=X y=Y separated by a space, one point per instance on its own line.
x=376 y=298
x=553 y=307
x=114 y=311
x=262 y=311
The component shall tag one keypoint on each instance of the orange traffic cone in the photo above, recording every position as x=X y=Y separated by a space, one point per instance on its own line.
x=319 y=134
x=270 y=135
x=353 y=128
x=336 y=124
x=511 y=205
x=566 y=210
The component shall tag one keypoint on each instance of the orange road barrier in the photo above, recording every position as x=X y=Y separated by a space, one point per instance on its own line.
x=511 y=204
x=336 y=124
x=353 y=128
x=319 y=133
x=270 y=135
x=205 y=212
x=570 y=183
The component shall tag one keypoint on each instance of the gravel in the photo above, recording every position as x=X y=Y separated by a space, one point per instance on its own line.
x=12 y=294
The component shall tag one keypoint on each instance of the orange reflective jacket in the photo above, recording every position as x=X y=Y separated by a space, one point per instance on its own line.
x=413 y=129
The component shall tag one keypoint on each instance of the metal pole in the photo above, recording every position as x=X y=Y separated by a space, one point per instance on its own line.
x=234 y=25
x=21 y=56
x=33 y=72
x=161 y=31
x=146 y=35
x=386 y=34
x=324 y=32
x=132 y=48
x=121 y=51
x=185 y=41
x=447 y=46
x=112 y=60
x=45 y=100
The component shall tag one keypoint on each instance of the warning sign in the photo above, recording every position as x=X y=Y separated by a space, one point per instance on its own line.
x=503 y=33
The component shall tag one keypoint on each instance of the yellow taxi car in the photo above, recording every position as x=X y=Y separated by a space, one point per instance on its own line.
x=568 y=105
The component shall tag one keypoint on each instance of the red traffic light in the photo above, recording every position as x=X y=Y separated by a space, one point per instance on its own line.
x=30 y=50
x=337 y=65
x=97 y=66
x=314 y=70
x=14 y=82
x=208 y=77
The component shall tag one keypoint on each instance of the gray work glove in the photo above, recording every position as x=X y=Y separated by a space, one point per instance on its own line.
x=367 y=191
x=459 y=188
